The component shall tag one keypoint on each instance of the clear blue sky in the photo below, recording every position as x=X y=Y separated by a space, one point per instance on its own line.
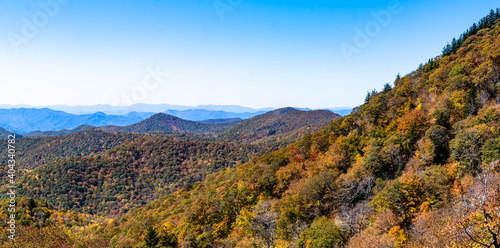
x=271 y=53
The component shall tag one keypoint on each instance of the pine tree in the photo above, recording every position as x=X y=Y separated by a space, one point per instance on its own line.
x=169 y=241
x=152 y=240
x=443 y=120
x=471 y=106
x=454 y=45
x=491 y=18
x=367 y=97
x=485 y=22
x=387 y=87
x=447 y=49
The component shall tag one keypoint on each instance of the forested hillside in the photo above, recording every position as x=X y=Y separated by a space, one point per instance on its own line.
x=42 y=225
x=168 y=123
x=4 y=134
x=416 y=166
x=131 y=174
x=284 y=125
x=58 y=132
x=33 y=152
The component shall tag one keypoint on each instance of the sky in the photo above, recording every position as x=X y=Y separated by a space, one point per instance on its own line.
x=261 y=53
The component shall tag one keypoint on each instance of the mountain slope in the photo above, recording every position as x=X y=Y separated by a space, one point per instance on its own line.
x=285 y=125
x=168 y=123
x=59 y=132
x=131 y=174
x=218 y=121
x=4 y=134
x=33 y=152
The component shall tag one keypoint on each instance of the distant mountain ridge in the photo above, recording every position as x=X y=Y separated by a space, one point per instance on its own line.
x=24 y=120
x=203 y=114
x=34 y=122
x=140 y=107
x=39 y=121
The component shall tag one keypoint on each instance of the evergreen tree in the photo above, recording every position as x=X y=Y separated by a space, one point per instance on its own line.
x=169 y=240
x=486 y=22
x=443 y=120
x=471 y=106
x=454 y=45
x=367 y=97
x=152 y=240
x=491 y=18
x=387 y=87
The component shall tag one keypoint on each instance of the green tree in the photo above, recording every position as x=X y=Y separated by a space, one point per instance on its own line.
x=387 y=87
x=491 y=151
x=169 y=240
x=323 y=233
x=152 y=239
x=471 y=107
x=443 y=120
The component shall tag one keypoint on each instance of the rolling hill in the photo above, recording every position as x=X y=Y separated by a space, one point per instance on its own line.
x=32 y=152
x=4 y=134
x=286 y=125
x=61 y=132
x=167 y=123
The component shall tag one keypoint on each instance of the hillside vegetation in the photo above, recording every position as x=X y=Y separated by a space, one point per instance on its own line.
x=169 y=123
x=130 y=175
x=33 y=152
x=284 y=125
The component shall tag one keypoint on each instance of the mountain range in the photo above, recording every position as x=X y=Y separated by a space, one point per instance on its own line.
x=26 y=120
x=140 y=107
